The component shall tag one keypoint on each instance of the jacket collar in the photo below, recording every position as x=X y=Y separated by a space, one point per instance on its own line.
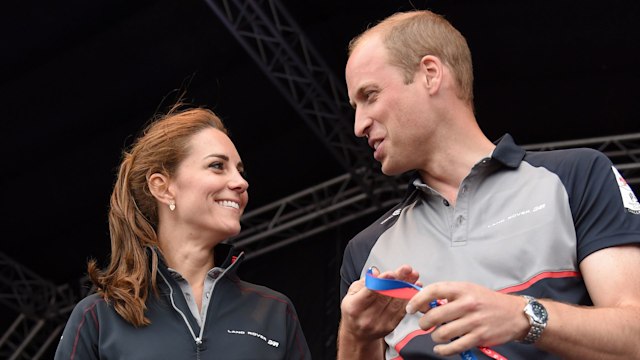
x=225 y=256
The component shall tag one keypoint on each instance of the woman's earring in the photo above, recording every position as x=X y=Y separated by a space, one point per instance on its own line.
x=172 y=205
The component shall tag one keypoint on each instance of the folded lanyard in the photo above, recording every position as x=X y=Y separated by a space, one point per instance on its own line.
x=404 y=290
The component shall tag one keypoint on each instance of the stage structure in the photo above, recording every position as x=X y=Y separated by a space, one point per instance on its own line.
x=277 y=44
x=43 y=307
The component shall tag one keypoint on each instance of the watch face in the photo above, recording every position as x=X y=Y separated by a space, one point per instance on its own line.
x=538 y=312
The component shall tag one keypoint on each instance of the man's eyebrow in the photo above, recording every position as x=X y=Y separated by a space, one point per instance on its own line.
x=359 y=95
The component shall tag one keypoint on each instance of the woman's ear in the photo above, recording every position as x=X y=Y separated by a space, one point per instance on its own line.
x=159 y=187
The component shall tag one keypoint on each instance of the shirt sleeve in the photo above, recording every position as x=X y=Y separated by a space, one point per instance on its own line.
x=80 y=336
x=298 y=348
x=348 y=271
x=602 y=213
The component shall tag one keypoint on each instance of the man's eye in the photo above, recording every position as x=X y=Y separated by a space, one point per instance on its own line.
x=370 y=95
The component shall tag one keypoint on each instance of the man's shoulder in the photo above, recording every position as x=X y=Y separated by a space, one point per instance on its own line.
x=361 y=244
x=380 y=225
x=565 y=156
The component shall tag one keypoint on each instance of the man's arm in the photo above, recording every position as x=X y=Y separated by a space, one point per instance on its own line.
x=367 y=317
x=610 y=329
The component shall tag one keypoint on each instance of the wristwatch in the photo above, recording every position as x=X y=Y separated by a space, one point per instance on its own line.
x=538 y=317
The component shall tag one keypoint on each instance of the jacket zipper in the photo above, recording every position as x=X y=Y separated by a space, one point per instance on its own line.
x=211 y=293
x=198 y=344
x=197 y=339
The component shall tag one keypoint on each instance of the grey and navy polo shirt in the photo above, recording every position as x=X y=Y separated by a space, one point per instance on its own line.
x=522 y=223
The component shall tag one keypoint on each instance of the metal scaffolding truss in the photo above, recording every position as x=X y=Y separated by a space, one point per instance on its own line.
x=272 y=38
x=276 y=43
x=41 y=307
x=339 y=200
x=312 y=211
x=623 y=150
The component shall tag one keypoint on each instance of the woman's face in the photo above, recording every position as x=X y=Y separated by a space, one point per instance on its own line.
x=209 y=189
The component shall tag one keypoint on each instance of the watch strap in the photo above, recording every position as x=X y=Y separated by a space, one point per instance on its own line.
x=536 y=327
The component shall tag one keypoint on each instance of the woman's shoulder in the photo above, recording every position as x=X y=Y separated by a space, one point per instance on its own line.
x=91 y=304
x=93 y=299
x=267 y=293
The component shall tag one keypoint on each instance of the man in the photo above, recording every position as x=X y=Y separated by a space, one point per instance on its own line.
x=483 y=224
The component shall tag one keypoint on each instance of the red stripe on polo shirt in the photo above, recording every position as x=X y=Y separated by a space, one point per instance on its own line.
x=541 y=276
x=400 y=345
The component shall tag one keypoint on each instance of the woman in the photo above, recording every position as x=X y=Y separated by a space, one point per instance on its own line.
x=171 y=289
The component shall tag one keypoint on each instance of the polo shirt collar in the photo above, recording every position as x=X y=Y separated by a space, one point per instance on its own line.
x=507 y=152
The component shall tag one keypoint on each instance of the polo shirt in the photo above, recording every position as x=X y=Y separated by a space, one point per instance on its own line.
x=522 y=223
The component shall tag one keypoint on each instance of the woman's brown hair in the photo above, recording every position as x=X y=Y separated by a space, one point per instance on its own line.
x=133 y=212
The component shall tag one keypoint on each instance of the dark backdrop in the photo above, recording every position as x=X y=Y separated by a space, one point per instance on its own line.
x=79 y=79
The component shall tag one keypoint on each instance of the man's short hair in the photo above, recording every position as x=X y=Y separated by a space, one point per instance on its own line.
x=409 y=36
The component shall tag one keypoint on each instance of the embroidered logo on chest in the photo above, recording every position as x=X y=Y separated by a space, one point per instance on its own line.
x=254 y=334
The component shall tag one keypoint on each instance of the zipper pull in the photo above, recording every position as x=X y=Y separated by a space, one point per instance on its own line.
x=198 y=343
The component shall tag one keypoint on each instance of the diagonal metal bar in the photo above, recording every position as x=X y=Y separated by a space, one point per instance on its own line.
x=41 y=306
x=277 y=44
x=308 y=212
x=41 y=309
x=24 y=291
x=340 y=200
x=623 y=150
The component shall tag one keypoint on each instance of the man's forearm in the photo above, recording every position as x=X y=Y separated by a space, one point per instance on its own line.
x=352 y=348
x=592 y=333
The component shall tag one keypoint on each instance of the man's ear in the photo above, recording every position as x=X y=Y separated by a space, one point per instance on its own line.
x=431 y=71
x=159 y=187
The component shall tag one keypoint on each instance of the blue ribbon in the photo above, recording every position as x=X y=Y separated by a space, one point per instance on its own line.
x=402 y=290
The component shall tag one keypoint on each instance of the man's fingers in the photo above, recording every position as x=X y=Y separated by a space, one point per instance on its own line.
x=436 y=291
x=355 y=287
x=446 y=332
x=456 y=346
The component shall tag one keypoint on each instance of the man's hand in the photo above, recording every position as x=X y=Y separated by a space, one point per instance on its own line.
x=473 y=316
x=368 y=316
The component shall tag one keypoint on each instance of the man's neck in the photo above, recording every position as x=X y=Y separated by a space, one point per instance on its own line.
x=452 y=160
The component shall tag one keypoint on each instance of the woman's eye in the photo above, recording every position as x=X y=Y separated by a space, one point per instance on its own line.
x=217 y=165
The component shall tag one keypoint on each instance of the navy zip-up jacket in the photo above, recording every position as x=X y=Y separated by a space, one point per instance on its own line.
x=243 y=321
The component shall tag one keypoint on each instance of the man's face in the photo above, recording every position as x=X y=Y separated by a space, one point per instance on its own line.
x=388 y=111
